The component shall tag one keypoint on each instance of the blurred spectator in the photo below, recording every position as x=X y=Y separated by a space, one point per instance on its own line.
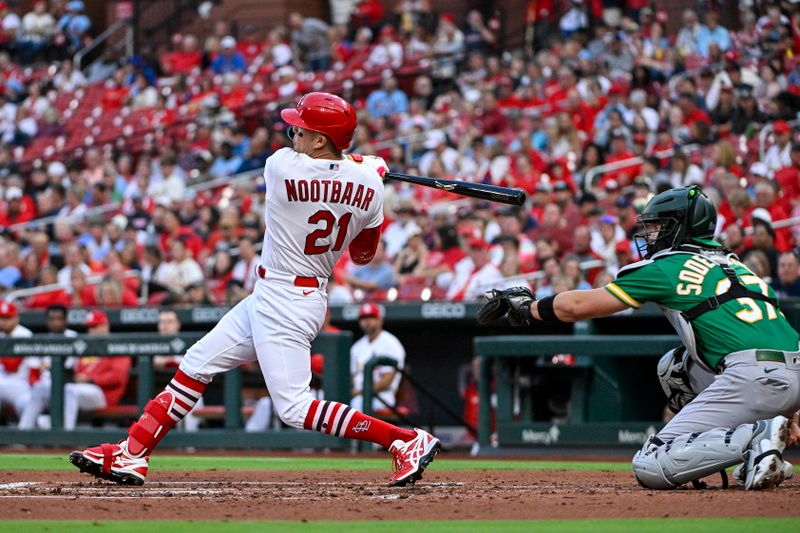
x=387 y=53
x=787 y=283
x=475 y=274
x=227 y=163
x=250 y=45
x=714 y=33
x=778 y=155
x=36 y=33
x=388 y=100
x=409 y=262
x=245 y=269
x=73 y=260
x=691 y=35
x=185 y=59
x=9 y=25
x=68 y=78
x=437 y=147
x=9 y=259
x=310 y=40
x=763 y=242
x=73 y=26
x=229 y=58
x=376 y=275
x=182 y=270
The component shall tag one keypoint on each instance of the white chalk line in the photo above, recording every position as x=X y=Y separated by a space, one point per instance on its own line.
x=167 y=489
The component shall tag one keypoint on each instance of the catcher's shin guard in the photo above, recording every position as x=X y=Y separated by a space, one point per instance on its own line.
x=668 y=465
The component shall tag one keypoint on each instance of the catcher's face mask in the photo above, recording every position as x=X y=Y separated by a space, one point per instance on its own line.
x=656 y=234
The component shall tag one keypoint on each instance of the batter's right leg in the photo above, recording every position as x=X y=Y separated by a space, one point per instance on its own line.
x=227 y=346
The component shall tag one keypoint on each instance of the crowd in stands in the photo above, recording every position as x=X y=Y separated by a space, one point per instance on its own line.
x=114 y=180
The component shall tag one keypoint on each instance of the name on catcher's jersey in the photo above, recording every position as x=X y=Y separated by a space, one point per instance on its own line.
x=681 y=280
x=314 y=208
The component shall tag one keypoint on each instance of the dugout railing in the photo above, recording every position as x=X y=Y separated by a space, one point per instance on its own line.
x=143 y=348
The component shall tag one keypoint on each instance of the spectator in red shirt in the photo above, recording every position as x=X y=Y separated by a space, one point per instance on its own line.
x=250 y=46
x=619 y=152
x=789 y=180
x=174 y=229
x=766 y=198
x=492 y=121
x=186 y=57
x=691 y=113
x=18 y=208
x=367 y=13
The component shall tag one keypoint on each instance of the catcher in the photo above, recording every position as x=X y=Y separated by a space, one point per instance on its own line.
x=735 y=382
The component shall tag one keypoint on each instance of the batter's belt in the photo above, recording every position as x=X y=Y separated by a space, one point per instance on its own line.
x=790 y=359
x=297 y=281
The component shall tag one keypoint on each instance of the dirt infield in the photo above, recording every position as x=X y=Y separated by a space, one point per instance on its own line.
x=330 y=495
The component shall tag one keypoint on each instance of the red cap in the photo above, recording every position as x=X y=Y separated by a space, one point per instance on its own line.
x=618 y=89
x=479 y=244
x=623 y=247
x=640 y=138
x=317 y=363
x=449 y=17
x=781 y=126
x=387 y=30
x=370 y=310
x=7 y=309
x=95 y=318
x=3 y=5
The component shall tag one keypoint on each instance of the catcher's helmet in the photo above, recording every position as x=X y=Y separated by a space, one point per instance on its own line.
x=326 y=113
x=676 y=217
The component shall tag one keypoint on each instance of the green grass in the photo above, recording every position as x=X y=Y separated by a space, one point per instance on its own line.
x=190 y=462
x=657 y=525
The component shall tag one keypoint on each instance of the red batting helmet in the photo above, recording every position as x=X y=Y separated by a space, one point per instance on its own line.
x=326 y=113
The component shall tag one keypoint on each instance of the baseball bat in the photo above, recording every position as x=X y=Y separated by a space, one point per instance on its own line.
x=504 y=195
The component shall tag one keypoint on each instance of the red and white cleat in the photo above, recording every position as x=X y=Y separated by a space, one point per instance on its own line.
x=411 y=458
x=111 y=462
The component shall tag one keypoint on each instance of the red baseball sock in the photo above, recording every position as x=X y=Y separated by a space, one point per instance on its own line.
x=335 y=418
x=162 y=413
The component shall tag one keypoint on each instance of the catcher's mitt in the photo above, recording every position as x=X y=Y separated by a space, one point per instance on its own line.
x=515 y=302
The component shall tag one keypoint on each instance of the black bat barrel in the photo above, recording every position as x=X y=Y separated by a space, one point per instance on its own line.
x=494 y=193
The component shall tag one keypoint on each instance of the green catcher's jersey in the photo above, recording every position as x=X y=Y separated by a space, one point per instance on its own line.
x=680 y=280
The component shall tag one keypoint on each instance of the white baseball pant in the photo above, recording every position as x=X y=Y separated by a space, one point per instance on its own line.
x=275 y=325
x=77 y=397
x=14 y=391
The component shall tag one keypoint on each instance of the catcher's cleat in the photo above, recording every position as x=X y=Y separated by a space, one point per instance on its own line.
x=765 y=467
x=411 y=458
x=111 y=462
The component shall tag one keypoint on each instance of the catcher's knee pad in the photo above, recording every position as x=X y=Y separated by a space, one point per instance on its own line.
x=673 y=374
x=667 y=465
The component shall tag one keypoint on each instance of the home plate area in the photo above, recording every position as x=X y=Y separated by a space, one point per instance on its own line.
x=334 y=495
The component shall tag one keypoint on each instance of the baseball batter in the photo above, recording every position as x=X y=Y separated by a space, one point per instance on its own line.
x=318 y=203
x=739 y=387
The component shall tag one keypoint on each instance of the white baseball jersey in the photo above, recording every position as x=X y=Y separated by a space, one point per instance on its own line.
x=314 y=208
x=18 y=331
x=386 y=345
